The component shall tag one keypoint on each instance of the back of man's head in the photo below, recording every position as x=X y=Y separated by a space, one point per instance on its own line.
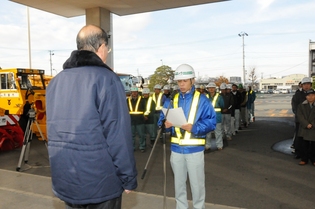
x=90 y=38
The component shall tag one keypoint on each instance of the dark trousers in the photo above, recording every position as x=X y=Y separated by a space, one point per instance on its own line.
x=110 y=204
x=297 y=141
x=150 y=129
x=308 y=151
x=138 y=128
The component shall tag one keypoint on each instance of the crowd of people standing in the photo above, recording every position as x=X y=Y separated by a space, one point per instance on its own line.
x=233 y=105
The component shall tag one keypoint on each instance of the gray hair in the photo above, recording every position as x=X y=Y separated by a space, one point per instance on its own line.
x=92 y=40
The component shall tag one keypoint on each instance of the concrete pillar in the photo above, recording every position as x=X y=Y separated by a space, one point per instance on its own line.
x=101 y=17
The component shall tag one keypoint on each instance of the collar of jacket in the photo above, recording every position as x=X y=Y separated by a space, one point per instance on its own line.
x=306 y=102
x=83 y=58
x=189 y=93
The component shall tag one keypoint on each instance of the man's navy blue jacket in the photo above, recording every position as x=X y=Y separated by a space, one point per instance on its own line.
x=89 y=132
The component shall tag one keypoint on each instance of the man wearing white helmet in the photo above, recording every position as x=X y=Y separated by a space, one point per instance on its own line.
x=149 y=125
x=297 y=99
x=166 y=92
x=203 y=90
x=217 y=102
x=188 y=141
x=137 y=108
x=226 y=112
x=175 y=89
x=197 y=87
x=157 y=97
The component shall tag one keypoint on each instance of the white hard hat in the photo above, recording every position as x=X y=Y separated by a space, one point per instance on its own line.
x=134 y=88
x=175 y=87
x=184 y=72
x=145 y=91
x=229 y=86
x=306 y=80
x=211 y=85
x=166 y=87
x=197 y=86
x=223 y=86
x=202 y=86
x=157 y=86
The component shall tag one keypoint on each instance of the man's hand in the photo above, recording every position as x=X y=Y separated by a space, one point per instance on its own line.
x=127 y=191
x=187 y=127
x=168 y=124
x=309 y=126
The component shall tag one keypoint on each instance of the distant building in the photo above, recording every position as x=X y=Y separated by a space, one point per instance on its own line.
x=289 y=82
x=235 y=79
x=312 y=59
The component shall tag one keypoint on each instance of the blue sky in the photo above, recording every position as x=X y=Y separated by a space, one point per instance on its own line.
x=204 y=36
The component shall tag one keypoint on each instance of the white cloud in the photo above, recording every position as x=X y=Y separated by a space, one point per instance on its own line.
x=126 y=27
x=264 y=3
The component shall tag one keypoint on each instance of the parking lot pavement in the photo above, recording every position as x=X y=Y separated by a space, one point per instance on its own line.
x=22 y=190
x=248 y=173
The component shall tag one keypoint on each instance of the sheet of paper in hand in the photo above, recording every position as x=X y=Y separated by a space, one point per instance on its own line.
x=176 y=116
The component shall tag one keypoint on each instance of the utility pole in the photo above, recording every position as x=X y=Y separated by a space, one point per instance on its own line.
x=29 y=39
x=242 y=34
x=50 y=54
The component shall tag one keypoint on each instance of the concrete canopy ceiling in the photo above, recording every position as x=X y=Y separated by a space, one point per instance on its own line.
x=72 y=8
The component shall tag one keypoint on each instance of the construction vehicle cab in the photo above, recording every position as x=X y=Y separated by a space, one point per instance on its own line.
x=129 y=80
x=20 y=90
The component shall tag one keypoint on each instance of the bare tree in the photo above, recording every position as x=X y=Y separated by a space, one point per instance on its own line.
x=252 y=77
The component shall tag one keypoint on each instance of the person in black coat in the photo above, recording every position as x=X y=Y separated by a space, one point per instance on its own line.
x=297 y=99
x=237 y=99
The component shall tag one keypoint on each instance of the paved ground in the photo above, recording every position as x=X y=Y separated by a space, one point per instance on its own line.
x=255 y=170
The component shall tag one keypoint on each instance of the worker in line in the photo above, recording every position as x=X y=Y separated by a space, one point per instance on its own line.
x=218 y=103
x=251 y=104
x=237 y=97
x=149 y=126
x=229 y=92
x=203 y=90
x=136 y=110
x=226 y=112
x=244 y=99
x=157 y=97
x=166 y=92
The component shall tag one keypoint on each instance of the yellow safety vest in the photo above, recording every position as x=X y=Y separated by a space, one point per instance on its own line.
x=148 y=108
x=135 y=111
x=214 y=102
x=158 y=102
x=187 y=140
